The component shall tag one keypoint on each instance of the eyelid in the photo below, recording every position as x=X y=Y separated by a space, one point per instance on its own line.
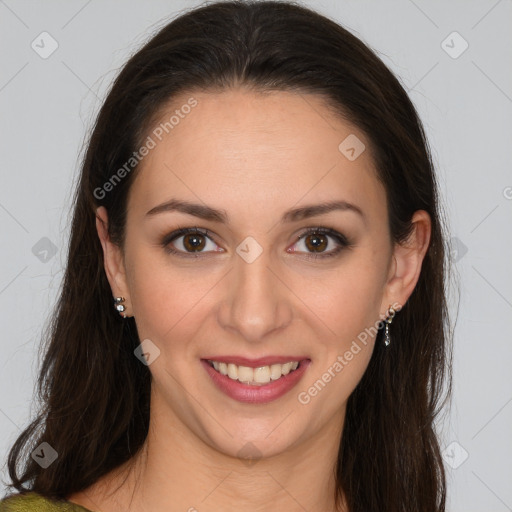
x=324 y=231
x=340 y=238
x=178 y=233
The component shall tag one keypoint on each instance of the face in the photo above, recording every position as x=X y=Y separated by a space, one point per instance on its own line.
x=262 y=277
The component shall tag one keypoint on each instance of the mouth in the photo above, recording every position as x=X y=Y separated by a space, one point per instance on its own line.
x=255 y=381
x=258 y=376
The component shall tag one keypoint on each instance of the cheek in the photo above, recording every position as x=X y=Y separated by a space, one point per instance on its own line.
x=165 y=299
x=350 y=309
x=348 y=298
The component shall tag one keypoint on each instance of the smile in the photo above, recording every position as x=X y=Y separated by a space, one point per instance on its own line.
x=263 y=381
x=255 y=376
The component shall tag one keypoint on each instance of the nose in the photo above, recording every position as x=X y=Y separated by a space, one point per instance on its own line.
x=256 y=301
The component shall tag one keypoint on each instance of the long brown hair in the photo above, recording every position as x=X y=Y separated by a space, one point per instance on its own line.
x=94 y=393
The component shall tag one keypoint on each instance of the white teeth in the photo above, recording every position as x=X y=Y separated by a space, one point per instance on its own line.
x=286 y=368
x=232 y=371
x=275 y=371
x=255 y=376
x=245 y=374
x=262 y=375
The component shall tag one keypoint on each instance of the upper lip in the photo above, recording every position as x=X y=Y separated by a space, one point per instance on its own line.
x=255 y=363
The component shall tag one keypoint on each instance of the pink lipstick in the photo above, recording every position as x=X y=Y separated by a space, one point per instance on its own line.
x=256 y=381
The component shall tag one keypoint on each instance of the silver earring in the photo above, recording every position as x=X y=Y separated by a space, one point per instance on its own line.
x=118 y=304
x=388 y=320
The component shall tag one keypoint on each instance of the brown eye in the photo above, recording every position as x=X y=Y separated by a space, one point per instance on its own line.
x=321 y=242
x=189 y=242
x=316 y=243
x=195 y=242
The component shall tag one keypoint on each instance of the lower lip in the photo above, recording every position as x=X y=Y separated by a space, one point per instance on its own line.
x=261 y=394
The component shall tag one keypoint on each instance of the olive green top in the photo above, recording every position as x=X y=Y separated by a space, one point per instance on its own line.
x=33 y=502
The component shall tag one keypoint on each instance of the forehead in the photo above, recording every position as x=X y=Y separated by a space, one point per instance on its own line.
x=269 y=150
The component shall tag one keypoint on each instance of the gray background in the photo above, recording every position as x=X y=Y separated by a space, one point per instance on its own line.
x=464 y=99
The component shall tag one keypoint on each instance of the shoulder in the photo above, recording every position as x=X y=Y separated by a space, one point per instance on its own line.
x=33 y=502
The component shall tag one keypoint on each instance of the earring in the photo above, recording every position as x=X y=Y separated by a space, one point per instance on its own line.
x=388 y=320
x=118 y=304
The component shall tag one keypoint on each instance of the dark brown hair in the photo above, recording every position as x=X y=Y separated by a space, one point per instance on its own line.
x=94 y=393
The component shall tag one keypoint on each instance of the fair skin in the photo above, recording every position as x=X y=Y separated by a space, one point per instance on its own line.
x=255 y=157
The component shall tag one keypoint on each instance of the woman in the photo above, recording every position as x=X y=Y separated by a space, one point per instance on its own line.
x=253 y=312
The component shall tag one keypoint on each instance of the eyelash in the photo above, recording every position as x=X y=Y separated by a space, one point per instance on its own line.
x=340 y=238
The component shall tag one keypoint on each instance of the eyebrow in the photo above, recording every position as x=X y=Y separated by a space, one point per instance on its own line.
x=208 y=213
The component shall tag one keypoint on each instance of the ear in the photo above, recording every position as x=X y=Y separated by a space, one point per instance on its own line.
x=113 y=260
x=406 y=262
